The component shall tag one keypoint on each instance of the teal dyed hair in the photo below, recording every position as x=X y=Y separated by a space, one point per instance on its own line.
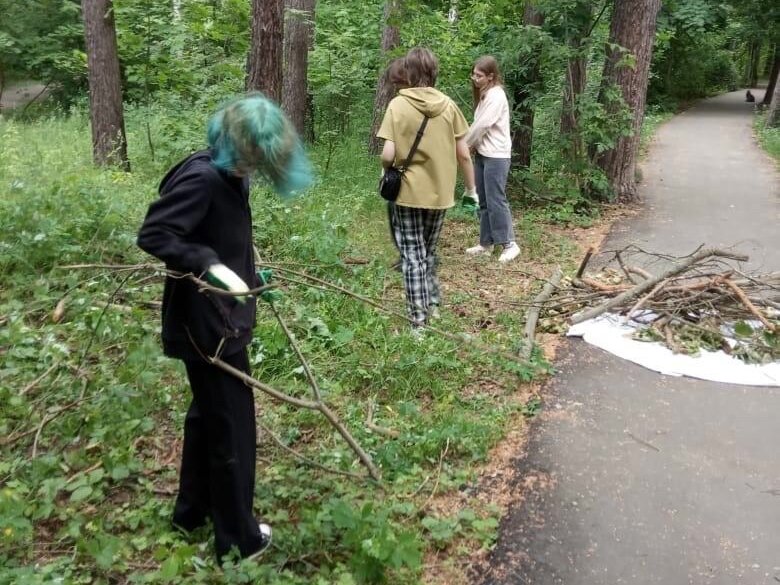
x=251 y=134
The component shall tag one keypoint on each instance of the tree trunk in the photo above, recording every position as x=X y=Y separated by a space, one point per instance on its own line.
x=755 y=57
x=770 y=88
x=633 y=29
x=391 y=38
x=773 y=116
x=109 y=140
x=264 y=61
x=574 y=83
x=523 y=118
x=298 y=38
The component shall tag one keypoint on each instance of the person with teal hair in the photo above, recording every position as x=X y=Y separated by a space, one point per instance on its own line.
x=201 y=224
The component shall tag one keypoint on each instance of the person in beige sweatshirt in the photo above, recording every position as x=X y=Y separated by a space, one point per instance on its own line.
x=428 y=184
x=490 y=141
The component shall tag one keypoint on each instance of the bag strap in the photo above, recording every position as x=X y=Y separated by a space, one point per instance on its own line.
x=415 y=145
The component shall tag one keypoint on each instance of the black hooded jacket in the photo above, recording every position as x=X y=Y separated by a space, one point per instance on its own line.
x=201 y=218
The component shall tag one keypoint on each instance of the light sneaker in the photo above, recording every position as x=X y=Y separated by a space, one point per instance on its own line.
x=265 y=533
x=511 y=251
x=418 y=332
x=477 y=250
x=433 y=312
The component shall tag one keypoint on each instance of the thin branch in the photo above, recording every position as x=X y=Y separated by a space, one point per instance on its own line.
x=533 y=313
x=677 y=268
x=37 y=380
x=584 y=263
x=308 y=461
x=750 y=306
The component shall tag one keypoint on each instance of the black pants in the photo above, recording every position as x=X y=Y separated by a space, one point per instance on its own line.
x=218 y=461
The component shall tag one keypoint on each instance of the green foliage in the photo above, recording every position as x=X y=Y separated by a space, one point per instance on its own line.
x=87 y=507
x=768 y=137
x=43 y=39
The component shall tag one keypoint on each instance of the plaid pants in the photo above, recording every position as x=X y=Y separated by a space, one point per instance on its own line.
x=417 y=233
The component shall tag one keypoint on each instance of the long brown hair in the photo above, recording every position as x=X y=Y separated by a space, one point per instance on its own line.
x=422 y=67
x=488 y=65
x=396 y=73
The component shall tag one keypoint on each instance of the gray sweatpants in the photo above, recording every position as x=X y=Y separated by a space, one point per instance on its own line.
x=495 y=218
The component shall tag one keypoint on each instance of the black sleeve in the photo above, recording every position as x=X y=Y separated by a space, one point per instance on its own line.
x=172 y=219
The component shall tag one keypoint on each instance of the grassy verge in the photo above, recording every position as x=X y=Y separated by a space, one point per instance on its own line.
x=769 y=138
x=92 y=412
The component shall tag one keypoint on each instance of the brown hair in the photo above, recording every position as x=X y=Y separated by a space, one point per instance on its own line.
x=396 y=73
x=488 y=65
x=422 y=67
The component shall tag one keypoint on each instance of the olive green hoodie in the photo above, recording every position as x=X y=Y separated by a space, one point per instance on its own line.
x=429 y=181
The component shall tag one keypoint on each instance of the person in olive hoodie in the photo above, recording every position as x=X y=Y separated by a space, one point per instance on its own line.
x=428 y=185
x=202 y=225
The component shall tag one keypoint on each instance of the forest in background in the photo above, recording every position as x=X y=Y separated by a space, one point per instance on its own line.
x=91 y=411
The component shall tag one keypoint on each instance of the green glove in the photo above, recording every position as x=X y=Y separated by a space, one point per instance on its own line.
x=269 y=296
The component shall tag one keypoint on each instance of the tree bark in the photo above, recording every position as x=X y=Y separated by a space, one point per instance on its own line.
x=773 y=116
x=109 y=140
x=633 y=29
x=755 y=57
x=770 y=88
x=298 y=38
x=264 y=61
x=391 y=38
x=522 y=90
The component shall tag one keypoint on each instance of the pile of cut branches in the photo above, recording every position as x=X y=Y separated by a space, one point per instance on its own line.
x=699 y=301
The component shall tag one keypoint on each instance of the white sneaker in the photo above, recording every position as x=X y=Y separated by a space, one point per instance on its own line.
x=433 y=312
x=511 y=251
x=477 y=250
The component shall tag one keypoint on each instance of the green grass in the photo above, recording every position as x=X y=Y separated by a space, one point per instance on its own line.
x=769 y=138
x=92 y=410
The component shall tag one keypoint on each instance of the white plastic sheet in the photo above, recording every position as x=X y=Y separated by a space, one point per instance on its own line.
x=611 y=333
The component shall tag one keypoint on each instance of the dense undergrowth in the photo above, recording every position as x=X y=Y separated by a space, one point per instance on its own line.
x=92 y=411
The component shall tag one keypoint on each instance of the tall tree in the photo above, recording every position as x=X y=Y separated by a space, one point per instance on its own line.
x=773 y=73
x=109 y=140
x=264 y=61
x=391 y=38
x=627 y=66
x=773 y=116
x=298 y=37
x=523 y=85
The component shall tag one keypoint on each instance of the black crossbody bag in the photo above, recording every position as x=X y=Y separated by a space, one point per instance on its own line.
x=390 y=183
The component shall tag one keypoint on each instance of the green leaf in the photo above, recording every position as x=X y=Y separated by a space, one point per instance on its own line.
x=170 y=568
x=742 y=329
x=81 y=493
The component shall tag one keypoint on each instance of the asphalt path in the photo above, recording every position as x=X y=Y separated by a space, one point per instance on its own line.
x=635 y=477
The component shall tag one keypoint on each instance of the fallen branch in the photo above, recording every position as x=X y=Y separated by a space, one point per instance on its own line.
x=387 y=432
x=750 y=306
x=327 y=286
x=533 y=313
x=37 y=380
x=308 y=461
x=677 y=268
x=584 y=263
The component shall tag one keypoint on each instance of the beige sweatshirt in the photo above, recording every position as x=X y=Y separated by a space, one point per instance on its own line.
x=489 y=134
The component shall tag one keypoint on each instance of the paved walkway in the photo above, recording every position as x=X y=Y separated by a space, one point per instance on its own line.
x=633 y=477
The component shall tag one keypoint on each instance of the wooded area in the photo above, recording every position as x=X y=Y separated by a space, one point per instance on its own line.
x=92 y=411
